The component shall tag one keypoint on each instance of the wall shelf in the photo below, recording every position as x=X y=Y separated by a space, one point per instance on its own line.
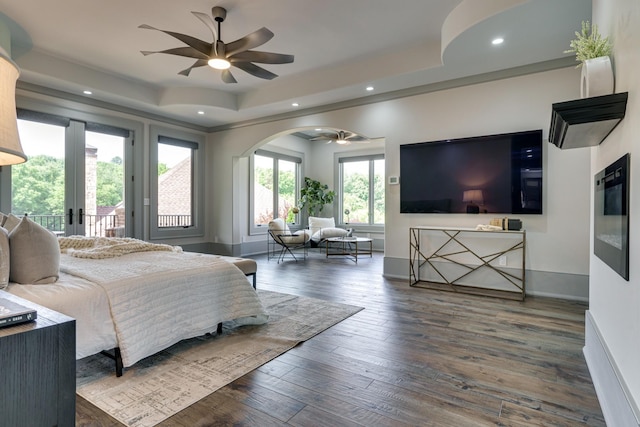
x=586 y=122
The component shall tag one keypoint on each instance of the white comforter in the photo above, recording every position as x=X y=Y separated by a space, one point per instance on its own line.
x=159 y=298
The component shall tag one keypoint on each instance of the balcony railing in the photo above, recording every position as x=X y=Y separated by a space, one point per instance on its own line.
x=174 y=221
x=94 y=225
x=105 y=225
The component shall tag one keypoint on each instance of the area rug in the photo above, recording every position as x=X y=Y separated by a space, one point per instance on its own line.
x=164 y=384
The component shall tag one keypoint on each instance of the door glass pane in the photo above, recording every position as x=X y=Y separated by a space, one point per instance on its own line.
x=286 y=190
x=263 y=187
x=355 y=192
x=37 y=186
x=104 y=213
x=175 y=186
x=378 y=191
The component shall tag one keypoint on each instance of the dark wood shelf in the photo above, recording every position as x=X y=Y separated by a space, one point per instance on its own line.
x=586 y=122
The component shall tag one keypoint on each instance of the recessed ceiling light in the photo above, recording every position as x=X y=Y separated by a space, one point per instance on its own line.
x=497 y=40
x=87 y=92
x=295 y=104
x=369 y=88
x=201 y=112
x=318 y=129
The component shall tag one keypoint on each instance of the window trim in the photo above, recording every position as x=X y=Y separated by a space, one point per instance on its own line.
x=197 y=143
x=288 y=155
x=346 y=157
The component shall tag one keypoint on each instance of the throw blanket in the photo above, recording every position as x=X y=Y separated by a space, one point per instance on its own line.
x=160 y=298
x=108 y=247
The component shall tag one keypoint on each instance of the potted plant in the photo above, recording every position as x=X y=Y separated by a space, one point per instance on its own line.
x=314 y=196
x=592 y=51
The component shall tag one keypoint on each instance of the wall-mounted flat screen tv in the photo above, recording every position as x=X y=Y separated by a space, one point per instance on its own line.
x=499 y=174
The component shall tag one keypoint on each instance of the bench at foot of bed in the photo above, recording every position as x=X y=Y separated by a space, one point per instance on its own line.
x=248 y=266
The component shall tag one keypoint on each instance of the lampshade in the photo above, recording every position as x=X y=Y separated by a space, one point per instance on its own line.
x=11 y=152
x=472 y=196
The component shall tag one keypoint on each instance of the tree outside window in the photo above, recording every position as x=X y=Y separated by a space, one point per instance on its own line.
x=362 y=192
x=275 y=179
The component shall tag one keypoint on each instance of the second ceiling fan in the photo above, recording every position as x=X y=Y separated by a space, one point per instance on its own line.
x=222 y=56
x=341 y=137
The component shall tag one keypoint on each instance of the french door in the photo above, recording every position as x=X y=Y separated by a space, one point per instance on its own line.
x=74 y=180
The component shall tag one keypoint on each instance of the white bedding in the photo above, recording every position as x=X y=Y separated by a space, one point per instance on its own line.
x=151 y=299
x=84 y=301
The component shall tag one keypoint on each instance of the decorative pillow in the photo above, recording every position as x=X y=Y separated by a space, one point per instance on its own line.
x=327 y=233
x=279 y=226
x=281 y=233
x=301 y=236
x=3 y=218
x=11 y=222
x=316 y=224
x=35 y=254
x=4 y=258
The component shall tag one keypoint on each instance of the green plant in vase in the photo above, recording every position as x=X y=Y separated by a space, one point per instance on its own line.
x=589 y=44
x=314 y=196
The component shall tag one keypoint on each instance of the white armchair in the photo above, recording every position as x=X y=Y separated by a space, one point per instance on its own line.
x=282 y=242
x=324 y=228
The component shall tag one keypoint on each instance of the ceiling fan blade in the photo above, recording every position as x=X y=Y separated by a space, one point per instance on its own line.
x=187 y=51
x=261 y=57
x=227 y=77
x=249 y=41
x=195 y=43
x=324 y=137
x=208 y=21
x=254 y=70
x=198 y=63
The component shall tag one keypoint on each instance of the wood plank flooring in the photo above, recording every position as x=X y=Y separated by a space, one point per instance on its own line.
x=413 y=357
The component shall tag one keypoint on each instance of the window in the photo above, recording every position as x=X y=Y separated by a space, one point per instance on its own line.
x=362 y=189
x=177 y=194
x=74 y=181
x=275 y=186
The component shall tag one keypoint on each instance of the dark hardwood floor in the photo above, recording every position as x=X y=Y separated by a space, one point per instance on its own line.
x=412 y=357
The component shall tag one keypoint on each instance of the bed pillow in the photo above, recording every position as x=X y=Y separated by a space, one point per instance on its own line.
x=34 y=254
x=4 y=258
x=11 y=222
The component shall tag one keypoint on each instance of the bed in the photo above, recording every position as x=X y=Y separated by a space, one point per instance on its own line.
x=141 y=302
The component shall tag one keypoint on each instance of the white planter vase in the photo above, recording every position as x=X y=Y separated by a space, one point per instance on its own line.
x=597 y=77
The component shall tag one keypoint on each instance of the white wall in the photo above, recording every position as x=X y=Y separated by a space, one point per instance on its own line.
x=614 y=306
x=558 y=241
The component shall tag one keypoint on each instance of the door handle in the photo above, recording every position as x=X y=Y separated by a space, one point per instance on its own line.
x=70 y=216
x=80 y=216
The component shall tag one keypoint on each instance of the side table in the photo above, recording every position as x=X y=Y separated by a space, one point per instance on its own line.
x=38 y=369
x=350 y=247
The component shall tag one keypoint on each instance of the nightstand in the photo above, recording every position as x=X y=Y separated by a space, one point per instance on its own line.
x=38 y=369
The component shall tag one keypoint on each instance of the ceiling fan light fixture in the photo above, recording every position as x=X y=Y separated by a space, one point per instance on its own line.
x=342 y=141
x=219 y=63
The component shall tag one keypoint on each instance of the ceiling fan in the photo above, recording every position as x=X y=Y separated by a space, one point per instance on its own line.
x=222 y=56
x=341 y=137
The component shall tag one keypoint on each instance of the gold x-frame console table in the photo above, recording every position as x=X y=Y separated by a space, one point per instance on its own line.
x=454 y=258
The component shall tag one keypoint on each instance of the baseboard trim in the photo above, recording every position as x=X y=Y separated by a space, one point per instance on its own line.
x=568 y=286
x=618 y=407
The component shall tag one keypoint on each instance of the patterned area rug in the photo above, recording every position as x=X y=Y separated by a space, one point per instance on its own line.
x=164 y=384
